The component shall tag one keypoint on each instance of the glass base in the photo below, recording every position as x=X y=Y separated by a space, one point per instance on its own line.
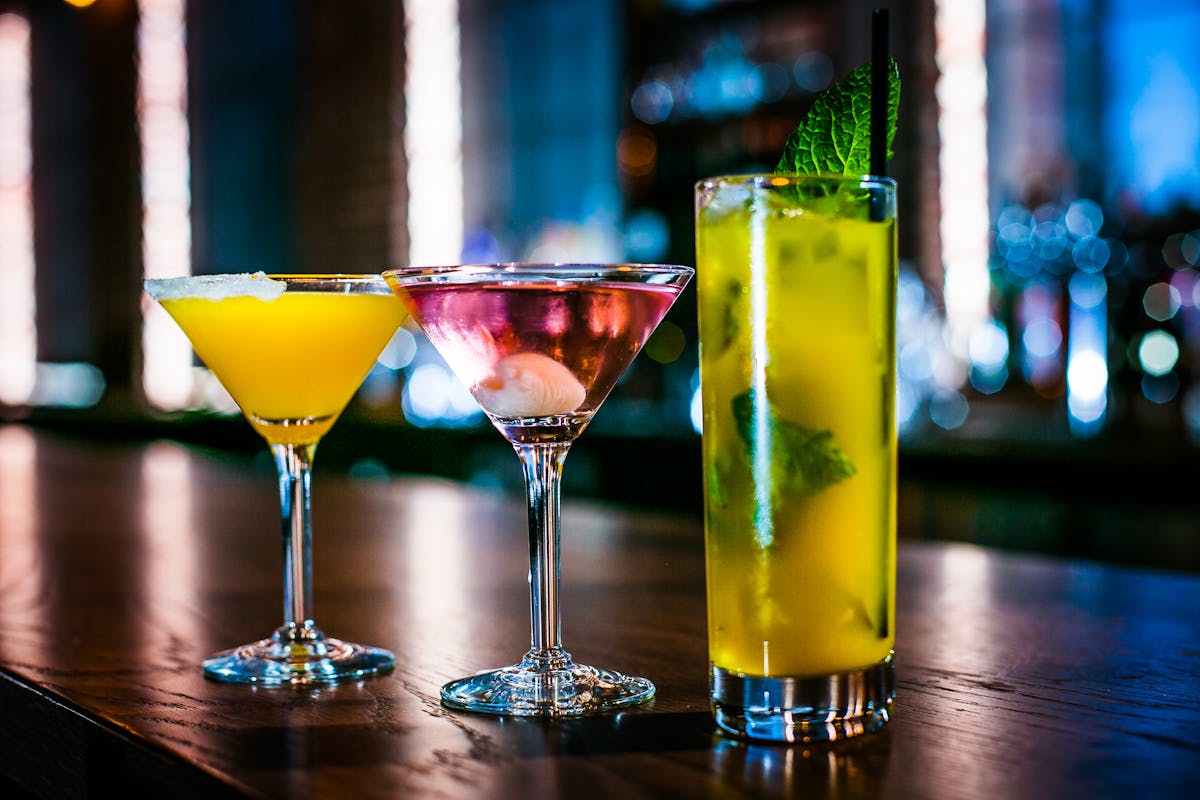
x=546 y=685
x=825 y=708
x=289 y=658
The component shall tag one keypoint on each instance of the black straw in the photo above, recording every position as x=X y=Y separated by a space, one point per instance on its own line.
x=880 y=58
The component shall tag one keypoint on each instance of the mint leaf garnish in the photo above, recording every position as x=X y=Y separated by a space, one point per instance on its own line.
x=716 y=484
x=804 y=461
x=729 y=317
x=834 y=138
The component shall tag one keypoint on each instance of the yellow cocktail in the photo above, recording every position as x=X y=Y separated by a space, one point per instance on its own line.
x=796 y=287
x=291 y=350
x=293 y=362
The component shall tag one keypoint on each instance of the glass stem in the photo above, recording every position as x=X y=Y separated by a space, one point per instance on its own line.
x=543 y=465
x=294 y=462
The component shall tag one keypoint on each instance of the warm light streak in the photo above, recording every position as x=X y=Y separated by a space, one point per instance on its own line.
x=169 y=533
x=166 y=193
x=18 y=326
x=19 y=540
x=435 y=566
x=18 y=491
x=965 y=580
x=433 y=132
x=963 y=166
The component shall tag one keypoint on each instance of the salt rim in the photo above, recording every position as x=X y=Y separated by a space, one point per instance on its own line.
x=216 y=287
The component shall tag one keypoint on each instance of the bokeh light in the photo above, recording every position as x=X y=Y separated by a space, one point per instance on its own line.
x=167 y=374
x=433 y=396
x=433 y=131
x=948 y=409
x=1158 y=353
x=666 y=343
x=1042 y=337
x=987 y=349
x=1084 y=218
x=1160 y=389
x=1161 y=301
x=1087 y=376
x=18 y=326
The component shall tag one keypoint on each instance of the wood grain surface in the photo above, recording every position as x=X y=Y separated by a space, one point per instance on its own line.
x=122 y=566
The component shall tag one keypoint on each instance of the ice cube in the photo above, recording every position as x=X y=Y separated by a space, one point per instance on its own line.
x=727 y=198
x=529 y=385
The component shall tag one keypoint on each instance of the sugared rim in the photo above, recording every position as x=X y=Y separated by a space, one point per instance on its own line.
x=224 y=285
x=765 y=179
x=340 y=277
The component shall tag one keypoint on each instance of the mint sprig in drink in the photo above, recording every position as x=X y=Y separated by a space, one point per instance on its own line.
x=796 y=274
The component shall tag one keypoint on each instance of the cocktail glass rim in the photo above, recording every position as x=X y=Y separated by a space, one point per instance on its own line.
x=529 y=270
x=763 y=180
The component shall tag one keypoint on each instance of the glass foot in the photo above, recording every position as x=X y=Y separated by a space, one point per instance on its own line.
x=804 y=709
x=289 y=659
x=550 y=685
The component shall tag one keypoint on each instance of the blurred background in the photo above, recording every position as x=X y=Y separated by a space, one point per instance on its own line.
x=1048 y=157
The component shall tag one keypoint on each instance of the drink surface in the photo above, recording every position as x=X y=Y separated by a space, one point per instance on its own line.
x=801 y=575
x=291 y=363
x=539 y=350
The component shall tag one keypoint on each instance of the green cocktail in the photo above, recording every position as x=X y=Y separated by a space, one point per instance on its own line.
x=796 y=281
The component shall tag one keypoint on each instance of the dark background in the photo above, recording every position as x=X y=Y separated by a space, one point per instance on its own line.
x=585 y=125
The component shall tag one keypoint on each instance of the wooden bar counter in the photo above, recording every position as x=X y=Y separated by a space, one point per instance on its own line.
x=123 y=565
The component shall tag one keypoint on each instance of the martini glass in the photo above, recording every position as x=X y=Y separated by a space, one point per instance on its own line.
x=291 y=350
x=540 y=347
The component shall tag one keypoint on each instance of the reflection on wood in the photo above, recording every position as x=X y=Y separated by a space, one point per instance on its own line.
x=1018 y=677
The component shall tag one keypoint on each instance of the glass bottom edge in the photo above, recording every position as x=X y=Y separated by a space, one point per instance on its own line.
x=269 y=662
x=573 y=691
x=802 y=710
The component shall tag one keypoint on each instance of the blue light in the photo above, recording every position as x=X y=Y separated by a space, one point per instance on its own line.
x=433 y=396
x=813 y=71
x=1151 y=81
x=908 y=403
x=1087 y=345
x=1087 y=291
x=948 y=409
x=1013 y=241
x=652 y=102
x=988 y=347
x=399 y=351
x=1090 y=254
x=1084 y=218
x=647 y=235
x=988 y=382
x=915 y=361
x=1042 y=337
x=1087 y=378
x=1050 y=239
x=1160 y=389
x=1158 y=353
x=69 y=385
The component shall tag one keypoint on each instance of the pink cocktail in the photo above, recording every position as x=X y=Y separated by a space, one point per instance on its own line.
x=540 y=347
x=539 y=357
